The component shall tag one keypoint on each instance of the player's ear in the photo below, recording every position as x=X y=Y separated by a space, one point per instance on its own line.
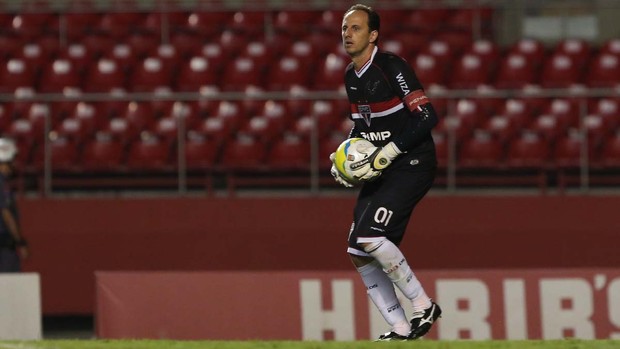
x=373 y=36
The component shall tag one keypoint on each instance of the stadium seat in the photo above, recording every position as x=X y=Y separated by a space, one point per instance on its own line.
x=304 y=52
x=611 y=46
x=610 y=151
x=142 y=44
x=148 y=153
x=16 y=73
x=233 y=42
x=105 y=75
x=608 y=108
x=441 y=149
x=528 y=150
x=139 y=114
x=501 y=127
x=103 y=153
x=80 y=23
x=429 y=71
x=568 y=110
x=516 y=71
x=166 y=128
x=428 y=20
x=289 y=153
x=560 y=71
x=121 y=129
x=78 y=55
x=329 y=22
x=207 y=23
x=243 y=153
x=214 y=53
x=481 y=151
x=286 y=72
x=31 y=25
x=23 y=132
x=441 y=51
x=295 y=23
x=518 y=110
x=251 y=23
x=150 y=75
x=604 y=71
x=240 y=73
x=487 y=50
x=533 y=50
x=549 y=126
x=598 y=127
x=577 y=49
x=64 y=155
x=469 y=72
x=187 y=43
x=201 y=152
x=11 y=44
x=120 y=25
x=58 y=75
x=331 y=73
x=196 y=73
x=567 y=150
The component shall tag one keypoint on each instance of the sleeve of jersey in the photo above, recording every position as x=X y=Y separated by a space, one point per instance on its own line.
x=413 y=96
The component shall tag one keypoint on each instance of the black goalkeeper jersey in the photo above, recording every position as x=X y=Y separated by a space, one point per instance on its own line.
x=388 y=103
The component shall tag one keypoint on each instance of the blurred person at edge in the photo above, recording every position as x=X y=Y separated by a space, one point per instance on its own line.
x=13 y=246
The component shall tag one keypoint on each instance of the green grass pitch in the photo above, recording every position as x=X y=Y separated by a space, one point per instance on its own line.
x=168 y=344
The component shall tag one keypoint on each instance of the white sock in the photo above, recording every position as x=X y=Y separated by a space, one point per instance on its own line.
x=398 y=271
x=381 y=291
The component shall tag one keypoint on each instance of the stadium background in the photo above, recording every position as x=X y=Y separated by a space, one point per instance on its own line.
x=149 y=129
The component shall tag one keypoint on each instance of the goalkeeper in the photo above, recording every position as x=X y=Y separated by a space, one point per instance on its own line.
x=390 y=109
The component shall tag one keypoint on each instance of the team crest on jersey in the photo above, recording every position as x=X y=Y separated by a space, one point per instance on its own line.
x=365 y=112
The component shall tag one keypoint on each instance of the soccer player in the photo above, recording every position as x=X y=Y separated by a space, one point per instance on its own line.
x=390 y=109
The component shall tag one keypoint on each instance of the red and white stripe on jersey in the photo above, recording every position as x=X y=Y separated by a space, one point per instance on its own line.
x=415 y=99
x=377 y=109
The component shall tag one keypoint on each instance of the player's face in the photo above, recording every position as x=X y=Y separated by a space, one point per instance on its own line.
x=356 y=36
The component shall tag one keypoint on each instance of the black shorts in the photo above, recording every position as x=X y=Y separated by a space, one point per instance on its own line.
x=384 y=206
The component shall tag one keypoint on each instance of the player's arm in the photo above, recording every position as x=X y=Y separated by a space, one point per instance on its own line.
x=424 y=118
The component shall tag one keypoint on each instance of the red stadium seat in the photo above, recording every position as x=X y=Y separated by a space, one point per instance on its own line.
x=201 y=153
x=150 y=75
x=441 y=51
x=121 y=129
x=566 y=109
x=549 y=126
x=32 y=25
x=16 y=73
x=327 y=146
x=105 y=75
x=64 y=155
x=59 y=75
x=294 y=22
x=577 y=49
x=243 y=153
x=240 y=73
x=501 y=128
x=120 y=24
x=560 y=71
x=611 y=46
x=81 y=22
x=207 y=23
x=139 y=114
x=429 y=71
x=250 y=23
x=142 y=44
x=518 y=110
x=196 y=73
x=598 y=127
x=533 y=50
x=148 y=153
x=610 y=152
x=487 y=50
x=233 y=42
x=286 y=72
x=482 y=151
x=103 y=153
x=528 y=150
x=290 y=152
x=304 y=52
x=608 y=108
x=78 y=55
x=331 y=73
x=429 y=20
x=470 y=72
x=604 y=71
x=516 y=71
x=567 y=151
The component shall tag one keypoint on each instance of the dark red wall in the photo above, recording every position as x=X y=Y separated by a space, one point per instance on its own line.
x=72 y=238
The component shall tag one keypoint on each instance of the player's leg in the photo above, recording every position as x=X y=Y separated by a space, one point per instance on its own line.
x=383 y=295
x=381 y=226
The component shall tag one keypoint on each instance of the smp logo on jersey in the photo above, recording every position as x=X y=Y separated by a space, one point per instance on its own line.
x=365 y=112
x=403 y=84
x=377 y=136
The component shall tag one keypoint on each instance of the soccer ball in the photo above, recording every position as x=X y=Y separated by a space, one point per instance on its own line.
x=350 y=151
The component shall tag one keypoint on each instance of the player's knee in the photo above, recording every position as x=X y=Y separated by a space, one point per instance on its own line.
x=371 y=244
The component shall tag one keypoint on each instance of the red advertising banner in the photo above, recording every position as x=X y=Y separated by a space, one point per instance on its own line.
x=477 y=304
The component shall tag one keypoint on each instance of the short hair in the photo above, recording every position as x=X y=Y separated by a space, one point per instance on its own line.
x=374 y=22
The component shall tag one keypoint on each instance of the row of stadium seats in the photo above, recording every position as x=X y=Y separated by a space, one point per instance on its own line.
x=547 y=125
x=262 y=65
x=207 y=24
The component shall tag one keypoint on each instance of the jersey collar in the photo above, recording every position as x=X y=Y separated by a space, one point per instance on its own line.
x=367 y=64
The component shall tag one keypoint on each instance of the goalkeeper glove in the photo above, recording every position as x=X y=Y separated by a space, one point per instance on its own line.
x=379 y=158
x=382 y=157
x=339 y=179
